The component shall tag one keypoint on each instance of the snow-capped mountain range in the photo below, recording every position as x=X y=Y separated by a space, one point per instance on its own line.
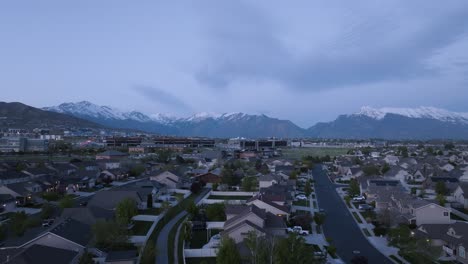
x=88 y=110
x=200 y=124
x=420 y=112
x=387 y=122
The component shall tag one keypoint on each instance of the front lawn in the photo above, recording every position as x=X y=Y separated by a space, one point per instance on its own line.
x=366 y=232
x=151 y=211
x=199 y=238
x=356 y=215
x=369 y=215
x=141 y=228
x=300 y=203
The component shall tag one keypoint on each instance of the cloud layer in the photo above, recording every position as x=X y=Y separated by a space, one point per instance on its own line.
x=306 y=61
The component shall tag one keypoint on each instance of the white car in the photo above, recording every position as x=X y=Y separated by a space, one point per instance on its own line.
x=298 y=230
x=301 y=197
x=359 y=198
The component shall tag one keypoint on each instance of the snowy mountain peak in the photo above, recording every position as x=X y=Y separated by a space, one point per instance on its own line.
x=420 y=112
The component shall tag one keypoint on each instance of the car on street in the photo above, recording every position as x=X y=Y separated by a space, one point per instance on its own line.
x=301 y=197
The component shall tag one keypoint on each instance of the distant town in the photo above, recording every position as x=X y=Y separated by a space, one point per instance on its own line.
x=91 y=196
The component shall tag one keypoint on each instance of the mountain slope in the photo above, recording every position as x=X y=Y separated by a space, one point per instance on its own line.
x=18 y=115
x=201 y=124
x=395 y=123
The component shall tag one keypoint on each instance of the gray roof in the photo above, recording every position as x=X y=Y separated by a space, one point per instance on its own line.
x=109 y=199
x=38 y=254
x=74 y=231
x=87 y=215
x=439 y=231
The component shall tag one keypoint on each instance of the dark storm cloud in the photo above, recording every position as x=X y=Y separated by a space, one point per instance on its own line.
x=380 y=49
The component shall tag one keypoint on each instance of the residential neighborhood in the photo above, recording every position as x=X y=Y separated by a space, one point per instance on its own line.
x=192 y=204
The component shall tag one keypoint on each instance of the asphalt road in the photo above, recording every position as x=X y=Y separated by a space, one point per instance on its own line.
x=163 y=237
x=339 y=223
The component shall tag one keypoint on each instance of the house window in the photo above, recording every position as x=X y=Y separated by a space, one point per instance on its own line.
x=461 y=251
x=446 y=214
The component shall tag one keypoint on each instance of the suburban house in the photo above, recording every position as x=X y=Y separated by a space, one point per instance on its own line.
x=171 y=180
x=64 y=243
x=24 y=192
x=461 y=194
x=7 y=203
x=391 y=160
x=253 y=218
x=268 y=180
x=453 y=238
x=110 y=199
x=209 y=178
x=109 y=164
x=265 y=203
x=404 y=207
x=13 y=176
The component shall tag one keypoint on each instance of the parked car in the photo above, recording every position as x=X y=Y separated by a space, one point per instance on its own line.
x=359 y=198
x=47 y=222
x=365 y=207
x=298 y=230
x=301 y=197
x=198 y=225
x=84 y=203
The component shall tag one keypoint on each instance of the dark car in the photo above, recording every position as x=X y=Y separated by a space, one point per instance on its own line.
x=198 y=225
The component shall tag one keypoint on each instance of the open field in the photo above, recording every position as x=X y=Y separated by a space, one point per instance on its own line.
x=297 y=153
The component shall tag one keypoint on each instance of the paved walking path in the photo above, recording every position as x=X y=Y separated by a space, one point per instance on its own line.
x=163 y=236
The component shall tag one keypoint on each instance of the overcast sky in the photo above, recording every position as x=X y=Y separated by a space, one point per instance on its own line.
x=306 y=61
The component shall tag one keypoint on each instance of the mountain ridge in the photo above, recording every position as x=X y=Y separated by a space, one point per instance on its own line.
x=388 y=122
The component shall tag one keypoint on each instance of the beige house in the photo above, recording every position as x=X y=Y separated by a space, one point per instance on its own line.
x=253 y=219
x=461 y=194
x=275 y=207
x=171 y=180
x=453 y=238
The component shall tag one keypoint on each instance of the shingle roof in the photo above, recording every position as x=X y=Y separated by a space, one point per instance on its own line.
x=109 y=199
x=73 y=230
x=38 y=254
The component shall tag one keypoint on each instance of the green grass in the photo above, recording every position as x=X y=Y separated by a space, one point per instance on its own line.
x=224 y=197
x=151 y=211
x=198 y=239
x=356 y=215
x=179 y=195
x=416 y=258
x=397 y=260
x=369 y=215
x=456 y=217
x=366 y=232
x=298 y=153
x=141 y=228
x=200 y=260
x=171 y=240
x=300 y=203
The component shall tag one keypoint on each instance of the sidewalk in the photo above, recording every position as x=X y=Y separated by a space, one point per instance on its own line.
x=380 y=243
